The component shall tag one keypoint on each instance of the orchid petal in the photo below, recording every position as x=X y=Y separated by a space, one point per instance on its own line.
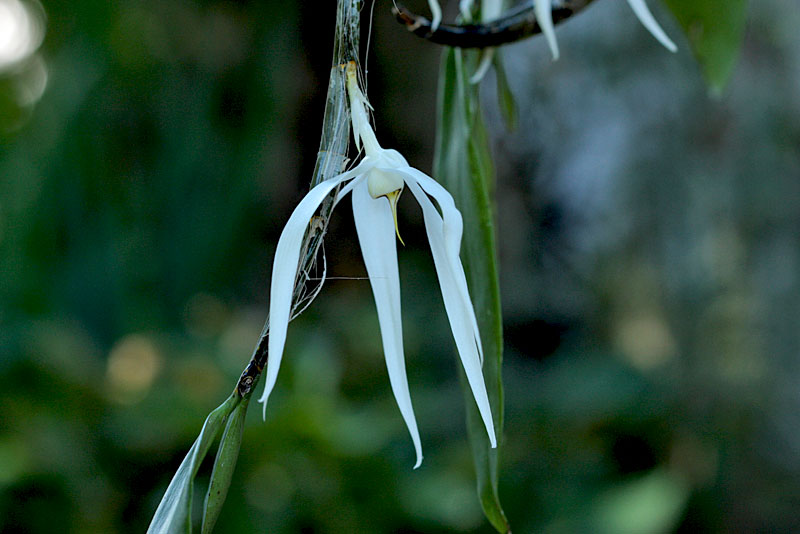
x=359 y=173
x=348 y=188
x=544 y=15
x=453 y=228
x=366 y=165
x=648 y=21
x=436 y=13
x=442 y=235
x=375 y=228
x=284 y=271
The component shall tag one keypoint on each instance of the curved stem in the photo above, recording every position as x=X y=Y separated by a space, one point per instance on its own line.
x=518 y=23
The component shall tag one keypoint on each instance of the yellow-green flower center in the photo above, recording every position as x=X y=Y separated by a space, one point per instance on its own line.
x=390 y=185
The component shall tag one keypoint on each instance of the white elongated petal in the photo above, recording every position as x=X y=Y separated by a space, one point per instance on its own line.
x=648 y=21
x=544 y=15
x=452 y=227
x=364 y=167
x=436 y=14
x=284 y=270
x=375 y=227
x=442 y=236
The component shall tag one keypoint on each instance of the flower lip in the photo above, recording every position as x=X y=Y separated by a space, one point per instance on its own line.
x=382 y=182
x=387 y=183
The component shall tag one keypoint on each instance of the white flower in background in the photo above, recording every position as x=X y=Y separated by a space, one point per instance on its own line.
x=436 y=14
x=543 y=11
x=649 y=22
x=376 y=184
x=465 y=8
x=490 y=10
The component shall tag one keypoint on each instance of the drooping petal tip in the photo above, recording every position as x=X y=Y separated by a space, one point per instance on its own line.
x=487 y=55
x=444 y=236
x=375 y=228
x=436 y=14
x=284 y=270
x=544 y=15
x=648 y=21
x=263 y=402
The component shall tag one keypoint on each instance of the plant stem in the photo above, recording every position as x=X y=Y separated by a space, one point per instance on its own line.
x=518 y=23
x=331 y=159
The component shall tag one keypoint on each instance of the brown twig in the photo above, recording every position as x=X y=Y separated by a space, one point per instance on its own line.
x=517 y=24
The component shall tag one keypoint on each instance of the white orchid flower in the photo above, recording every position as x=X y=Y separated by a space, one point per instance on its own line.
x=544 y=15
x=375 y=184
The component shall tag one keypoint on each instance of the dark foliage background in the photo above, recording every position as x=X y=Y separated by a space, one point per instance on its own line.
x=150 y=153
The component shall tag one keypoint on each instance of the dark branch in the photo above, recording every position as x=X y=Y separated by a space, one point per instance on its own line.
x=517 y=24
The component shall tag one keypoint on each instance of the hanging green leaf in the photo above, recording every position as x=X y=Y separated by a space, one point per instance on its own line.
x=224 y=465
x=715 y=33
x=463 y=164
x=505 y=98
x=174 y=513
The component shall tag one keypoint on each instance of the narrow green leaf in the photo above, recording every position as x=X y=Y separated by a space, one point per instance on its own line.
x=715 y=32
x=463 y=164
x=224 y=465
x=505 y=98
x=174 y=513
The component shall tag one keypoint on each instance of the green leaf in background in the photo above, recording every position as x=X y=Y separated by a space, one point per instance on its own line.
x=224 y=465
x=649 y=504
x=463 y=164
x=715 y=32
x=174 y=512
x=505 y=98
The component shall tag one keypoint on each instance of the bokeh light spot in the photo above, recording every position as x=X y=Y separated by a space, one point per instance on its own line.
x=21 y=32
x=133 y=365
x=646 y=341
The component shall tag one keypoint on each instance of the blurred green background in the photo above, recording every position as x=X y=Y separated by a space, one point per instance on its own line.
x=150 y=152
